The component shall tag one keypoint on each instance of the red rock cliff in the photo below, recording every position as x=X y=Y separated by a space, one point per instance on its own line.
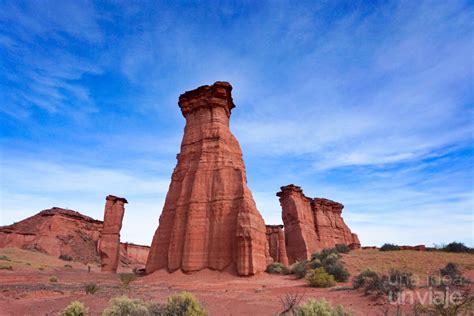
x=276 y=243
x=209 y=219
x=109 y=245
x=312 y=224
x=56 y=232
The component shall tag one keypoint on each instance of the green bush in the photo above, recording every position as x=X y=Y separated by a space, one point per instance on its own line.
x=368 y=280
x=327 y=252
x=320 y=308
x=457 y=247
x=277 y=268
x=184 y=303
x=330 y=259
x=91 y=288
x=124 y=306
x=389 y=247
x=299 y=268
x=127 y=278
x=181 y=304
x=343 y=248
x=320 y=278
x=338 y=271
x=75 y=308
x=314 y=264
x=53 y=279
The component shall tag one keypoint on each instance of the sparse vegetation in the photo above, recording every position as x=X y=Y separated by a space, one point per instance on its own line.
x=277 y=268
x=320 y=308
x=320 y=278
x=380 y=284
x=91 y=288
x=299 y=268
x=343 y=248
x=53 y=279
x=68 y=266
x=389 y=247
x=127 y=278
x=457 y=247
x=290 y=303
x=124 y=306
x=338 y=271
x=75 y=308
x=183 y=304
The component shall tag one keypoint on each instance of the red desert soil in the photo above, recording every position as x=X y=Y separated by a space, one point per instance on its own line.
x=26 y=289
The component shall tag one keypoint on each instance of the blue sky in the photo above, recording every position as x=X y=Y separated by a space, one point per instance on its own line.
x=369 y=103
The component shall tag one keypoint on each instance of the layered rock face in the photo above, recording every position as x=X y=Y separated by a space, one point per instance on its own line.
x=276 y=243
x=133 y=254
x=109 y=245
x=209 y=219
x=57 y=232
x=60 y=232
x=312 y=224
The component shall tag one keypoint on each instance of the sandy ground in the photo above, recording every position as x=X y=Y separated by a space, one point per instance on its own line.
x=26 y=290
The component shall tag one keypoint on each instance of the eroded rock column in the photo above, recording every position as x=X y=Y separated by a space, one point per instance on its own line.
x=276 y=242
x=312 y=224
x=109 y=244
x=209 y=219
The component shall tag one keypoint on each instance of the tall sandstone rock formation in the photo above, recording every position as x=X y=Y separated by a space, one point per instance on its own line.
x=109 y=245
x=312 y=224
x=209 y=219
x=276 y=243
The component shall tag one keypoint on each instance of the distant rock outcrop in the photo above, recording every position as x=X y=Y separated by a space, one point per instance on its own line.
x=276 y=242
x=109 y=244
x=57 y=232
x=67 y=234
x=312 y=224
x=209 y=219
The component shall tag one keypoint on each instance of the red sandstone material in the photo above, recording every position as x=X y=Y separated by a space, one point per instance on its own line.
x=209 y=219
x=56 y=232
x=312 y=224
x=64 y=232
x=276 y=242
x=109 y=245
x=135 y=254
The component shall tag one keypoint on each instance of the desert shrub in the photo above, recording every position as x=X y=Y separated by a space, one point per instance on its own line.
x=338 y=271
x=4 y=266
x=451 y=276
x=314 y=264
x=124 y=306
x=290 y=303
x=326 y=252
x=320 y=308
x=65 y=257
x=402 y=279
x=53 y=279
x=299 y=268
x=320 y=278
x=75 y=308
x=184 y=303
x=343 y=248
x=68 y=266
x=91 y=288
x=368 y=280
x=41 y=268
x=277 y=268
x=457 y=247
x=330 y=259
x=127 y=278
x=4 y=258
x=389 y=247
